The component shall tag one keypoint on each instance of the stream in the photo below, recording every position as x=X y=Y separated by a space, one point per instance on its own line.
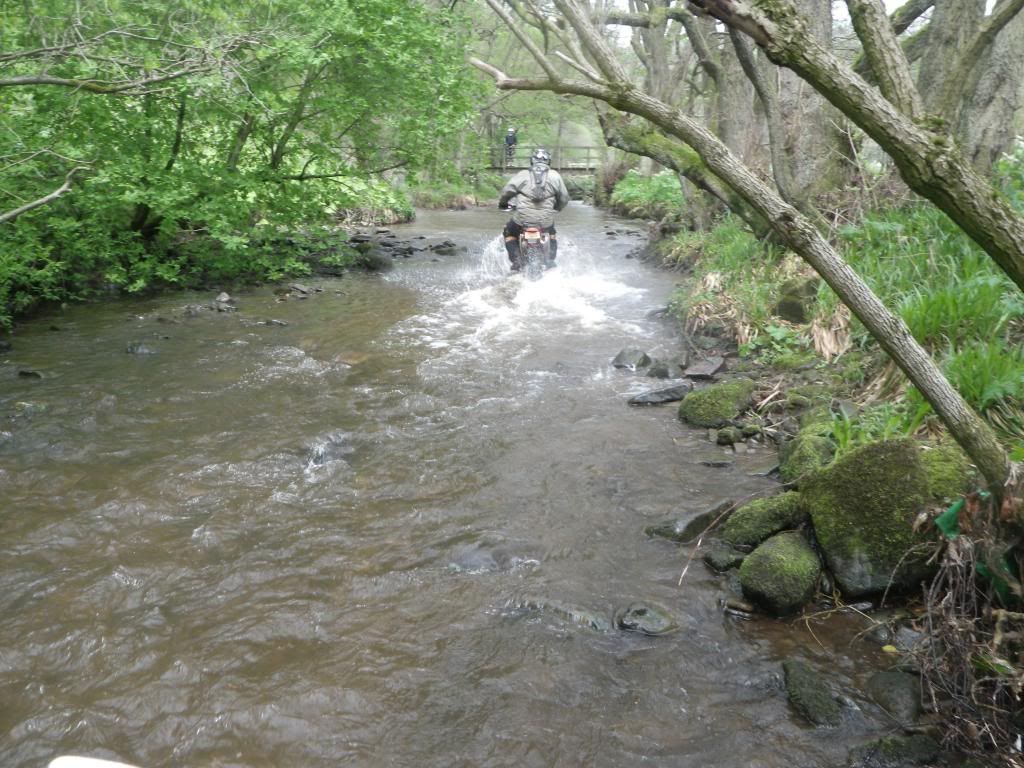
x=315 y=532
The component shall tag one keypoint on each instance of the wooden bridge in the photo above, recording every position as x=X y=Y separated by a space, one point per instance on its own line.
x=565 y=160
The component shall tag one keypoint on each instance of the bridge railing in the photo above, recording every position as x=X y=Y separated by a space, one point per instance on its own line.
x=566 y=158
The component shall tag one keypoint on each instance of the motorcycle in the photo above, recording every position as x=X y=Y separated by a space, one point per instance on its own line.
x=535 y=252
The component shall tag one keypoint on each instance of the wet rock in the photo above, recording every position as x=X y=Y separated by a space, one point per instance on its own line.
x=863 y=508
x=729 y=436
x=5 y=346
x=810 y=695
x=683 y=531
x=224 y=298
x=631 y=358
x=758 y=520
x=716 y=463
x=781 y=574
x=660 y=396
x=574 y=614
x=300 y=288
x=898 y=693
x=717 y=405
x=659 y=369
x=705 y=369
x=895 y=752
x=25 y=373
x=722 y=558
x=735 y=606
x=648 y=618
x=139 y=348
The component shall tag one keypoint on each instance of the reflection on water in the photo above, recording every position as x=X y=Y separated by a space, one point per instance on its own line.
x=305 y=542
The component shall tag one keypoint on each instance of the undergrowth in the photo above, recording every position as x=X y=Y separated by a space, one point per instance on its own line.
x=648 y=197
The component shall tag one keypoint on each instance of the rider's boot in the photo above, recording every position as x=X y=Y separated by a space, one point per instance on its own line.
x=512 y=246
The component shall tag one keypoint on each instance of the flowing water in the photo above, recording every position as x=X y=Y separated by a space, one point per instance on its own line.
x=315 y=542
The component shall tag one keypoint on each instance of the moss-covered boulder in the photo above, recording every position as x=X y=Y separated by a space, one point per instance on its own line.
x=717 y=405
x=863 y=507
x=803 y=455
x=781 y=574
x=948 y=469
x=809 y=693
x=755 y=522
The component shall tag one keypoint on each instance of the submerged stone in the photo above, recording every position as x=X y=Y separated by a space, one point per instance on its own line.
x=895 y=752
x=809 y=694
x=647 y=618
x=683 y=531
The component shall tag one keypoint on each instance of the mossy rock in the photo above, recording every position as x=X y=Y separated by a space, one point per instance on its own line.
x=896 y=752
x=781 y=574
x=717 y=405
x=809 y=694
x=948 y=469
x=755 y=522
x=863 y=507
x=722 y=558
x=804 y=455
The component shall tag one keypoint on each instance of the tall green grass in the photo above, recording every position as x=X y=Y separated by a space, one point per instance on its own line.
x=648 y=197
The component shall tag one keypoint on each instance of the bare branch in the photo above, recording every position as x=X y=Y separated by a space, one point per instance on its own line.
x=11 y=215
x=886 y=58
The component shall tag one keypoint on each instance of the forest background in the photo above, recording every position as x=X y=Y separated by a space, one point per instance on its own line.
x=867 y=158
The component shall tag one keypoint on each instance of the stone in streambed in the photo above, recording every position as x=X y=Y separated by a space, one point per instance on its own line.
x=781 y=574
x=659 y=396
x=647 y=618
x=809 y=694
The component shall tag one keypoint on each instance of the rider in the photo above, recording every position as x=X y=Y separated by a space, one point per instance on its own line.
x=511 y=140
x=535 y=194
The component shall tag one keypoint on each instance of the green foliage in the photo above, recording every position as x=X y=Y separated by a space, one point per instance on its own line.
x=955 y=301
x=780 y=345
x=885 y=421
x=290 y=116
x=650 y=197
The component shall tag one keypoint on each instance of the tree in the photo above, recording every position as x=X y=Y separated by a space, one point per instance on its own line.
x=207 y=129
x=607 y=81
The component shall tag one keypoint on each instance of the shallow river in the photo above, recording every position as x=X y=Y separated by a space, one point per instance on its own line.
x=307 y=544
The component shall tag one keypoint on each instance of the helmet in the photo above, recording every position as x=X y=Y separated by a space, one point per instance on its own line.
x=511 y=130
x=540 y=156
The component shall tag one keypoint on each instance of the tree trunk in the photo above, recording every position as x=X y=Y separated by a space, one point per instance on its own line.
x=994 y=113
x=928 y=162
x=953 y=24
x=813 y=147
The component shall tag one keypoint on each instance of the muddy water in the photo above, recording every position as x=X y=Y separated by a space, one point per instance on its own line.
x=306 y=544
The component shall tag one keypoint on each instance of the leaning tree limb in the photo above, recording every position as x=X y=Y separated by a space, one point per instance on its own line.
x=928 y=161
x=794 y=229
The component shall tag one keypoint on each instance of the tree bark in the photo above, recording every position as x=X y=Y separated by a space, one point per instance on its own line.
x=994 y=113
x=885 y=56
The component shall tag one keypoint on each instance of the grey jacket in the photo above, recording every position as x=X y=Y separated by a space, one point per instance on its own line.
x=535 y=203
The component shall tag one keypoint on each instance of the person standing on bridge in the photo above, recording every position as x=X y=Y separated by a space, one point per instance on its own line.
x=534 y=195
x=511 y=141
